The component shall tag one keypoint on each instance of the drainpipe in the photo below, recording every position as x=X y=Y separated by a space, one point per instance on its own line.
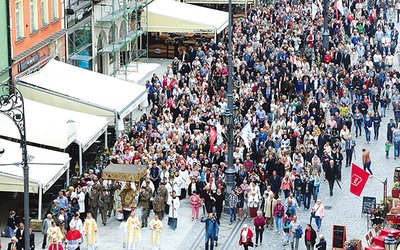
x=9 y=39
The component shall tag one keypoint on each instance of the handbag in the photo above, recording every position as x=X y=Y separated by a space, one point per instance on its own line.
x=314 y=212
x=251 y=244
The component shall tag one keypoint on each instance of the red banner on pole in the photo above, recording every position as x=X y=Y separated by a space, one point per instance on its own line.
x=213 y=138
x=359 y=178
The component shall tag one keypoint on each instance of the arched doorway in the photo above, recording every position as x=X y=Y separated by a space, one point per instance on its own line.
x=101 y=42
x=124 y=52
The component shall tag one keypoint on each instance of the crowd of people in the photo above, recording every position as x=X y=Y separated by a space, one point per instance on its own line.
x=304 y=103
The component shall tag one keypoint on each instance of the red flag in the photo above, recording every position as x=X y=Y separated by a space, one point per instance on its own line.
x=359 y=178
x=213 y=138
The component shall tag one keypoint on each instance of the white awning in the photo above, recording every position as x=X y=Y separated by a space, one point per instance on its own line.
x=66 y=86
x=56 y=127
x=42 y=126
x=172 y=16
x=45 y=167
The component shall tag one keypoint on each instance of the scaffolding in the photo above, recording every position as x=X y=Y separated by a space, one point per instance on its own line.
x=79 y=35
x=126 y=47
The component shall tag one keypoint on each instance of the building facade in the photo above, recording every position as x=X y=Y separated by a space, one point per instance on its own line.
x=37 y=34
x=120 y=35
x=5 y=48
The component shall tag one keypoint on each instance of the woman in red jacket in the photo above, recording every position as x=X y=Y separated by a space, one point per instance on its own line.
x=246 y=236
x=259 y=223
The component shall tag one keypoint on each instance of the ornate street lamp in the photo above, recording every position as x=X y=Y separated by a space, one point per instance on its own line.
x=12 y=106
x=227 y=116
x=230 y=171
x=390 y=243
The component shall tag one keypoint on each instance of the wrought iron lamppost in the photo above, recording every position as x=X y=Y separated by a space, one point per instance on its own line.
x=230 y=172
x=228 y=115
x=12 y=106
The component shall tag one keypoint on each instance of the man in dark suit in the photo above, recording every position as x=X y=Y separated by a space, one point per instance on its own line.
x=346 y=60
x=337 y=56
x=13 y=245
x=185 y=56
x=331 y=172
x=31 y=240
x=192 y=54
x=20 y=235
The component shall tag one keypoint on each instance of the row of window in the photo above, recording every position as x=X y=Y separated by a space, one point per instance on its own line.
x=34 y=14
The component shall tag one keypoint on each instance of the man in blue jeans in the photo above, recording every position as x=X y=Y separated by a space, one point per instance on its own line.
x=211 y=230
x=233 y=201
x=366 y=160
x=396 y=142
x=306 y=191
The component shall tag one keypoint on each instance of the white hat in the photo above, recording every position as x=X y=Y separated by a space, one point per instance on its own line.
x=321 y=236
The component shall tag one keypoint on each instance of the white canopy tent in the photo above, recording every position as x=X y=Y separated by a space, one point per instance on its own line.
x=56 y=127
x=164 y=17
x=43 y=127
x=234 y=2
x=45 y=168
x=66 y=86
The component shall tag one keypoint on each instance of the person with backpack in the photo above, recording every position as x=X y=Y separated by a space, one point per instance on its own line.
x=295 y=232
x=286 y=225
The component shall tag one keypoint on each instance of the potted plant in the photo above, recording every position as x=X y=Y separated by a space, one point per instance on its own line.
x=396 y=189
x=354 y=244
x=389 y=203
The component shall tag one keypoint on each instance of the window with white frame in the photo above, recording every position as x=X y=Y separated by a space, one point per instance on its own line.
x=33 y=10
x=19 y=19
x=44 y=10
x=54 y=9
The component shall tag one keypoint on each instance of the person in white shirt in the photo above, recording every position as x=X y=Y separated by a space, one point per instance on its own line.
x=76 y=223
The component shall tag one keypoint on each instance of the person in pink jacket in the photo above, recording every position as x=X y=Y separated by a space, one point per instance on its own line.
x=319 y=212
x=195 y=203
x=287 y=185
